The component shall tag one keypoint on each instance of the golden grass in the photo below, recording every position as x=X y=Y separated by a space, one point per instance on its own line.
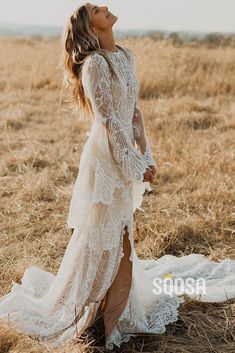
x=187 y=97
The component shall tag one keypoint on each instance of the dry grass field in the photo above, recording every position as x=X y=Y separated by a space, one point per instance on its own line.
x=187 y=96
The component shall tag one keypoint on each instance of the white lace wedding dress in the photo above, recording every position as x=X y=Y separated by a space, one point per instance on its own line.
x=55 y=307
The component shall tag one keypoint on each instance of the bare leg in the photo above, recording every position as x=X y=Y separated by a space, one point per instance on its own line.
x=117 y=294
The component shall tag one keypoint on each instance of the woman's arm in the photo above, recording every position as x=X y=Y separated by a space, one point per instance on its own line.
x=97 y=84
x=141 y=136
x=139 y=130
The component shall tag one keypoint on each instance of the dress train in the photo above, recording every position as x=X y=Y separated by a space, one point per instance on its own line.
x=48 y=306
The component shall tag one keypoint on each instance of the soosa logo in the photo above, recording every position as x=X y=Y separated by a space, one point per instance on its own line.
x=179 y=285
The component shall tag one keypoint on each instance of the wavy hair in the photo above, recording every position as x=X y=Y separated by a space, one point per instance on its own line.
x=79 y=41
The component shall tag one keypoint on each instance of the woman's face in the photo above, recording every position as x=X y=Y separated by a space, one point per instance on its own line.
x=101 y=18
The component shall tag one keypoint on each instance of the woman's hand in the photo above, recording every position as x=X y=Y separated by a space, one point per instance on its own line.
x=153 y=169
x=148 y=175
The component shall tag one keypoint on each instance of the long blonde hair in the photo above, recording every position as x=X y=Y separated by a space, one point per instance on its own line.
x=79 y=41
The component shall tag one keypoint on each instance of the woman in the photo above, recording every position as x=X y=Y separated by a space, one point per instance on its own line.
x=100 y=270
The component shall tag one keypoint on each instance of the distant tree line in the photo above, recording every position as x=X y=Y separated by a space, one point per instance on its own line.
x=213 y=39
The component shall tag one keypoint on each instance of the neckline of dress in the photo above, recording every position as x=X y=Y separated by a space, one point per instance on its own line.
x=114 y=52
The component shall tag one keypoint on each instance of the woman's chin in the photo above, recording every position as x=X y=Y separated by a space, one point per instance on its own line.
x=114 y=20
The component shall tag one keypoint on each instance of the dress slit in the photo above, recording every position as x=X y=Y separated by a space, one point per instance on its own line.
x=116 y=297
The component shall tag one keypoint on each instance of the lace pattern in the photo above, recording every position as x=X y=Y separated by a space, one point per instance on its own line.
x=96 y=78
x=140 y=136
x=135 y=319
x=139 y=131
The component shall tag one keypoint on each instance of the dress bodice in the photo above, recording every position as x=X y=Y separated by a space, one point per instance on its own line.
x=117 y=122
x=124 y=86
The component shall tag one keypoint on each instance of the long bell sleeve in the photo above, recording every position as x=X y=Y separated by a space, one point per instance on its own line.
x=96 y=79
x=138 y=123
x=140 y=135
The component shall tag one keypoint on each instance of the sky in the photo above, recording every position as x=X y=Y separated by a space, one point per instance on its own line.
x=173 y=15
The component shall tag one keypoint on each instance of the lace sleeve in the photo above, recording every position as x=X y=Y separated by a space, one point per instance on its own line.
x=141 y=137
x=138 y=124
x=97 y=85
